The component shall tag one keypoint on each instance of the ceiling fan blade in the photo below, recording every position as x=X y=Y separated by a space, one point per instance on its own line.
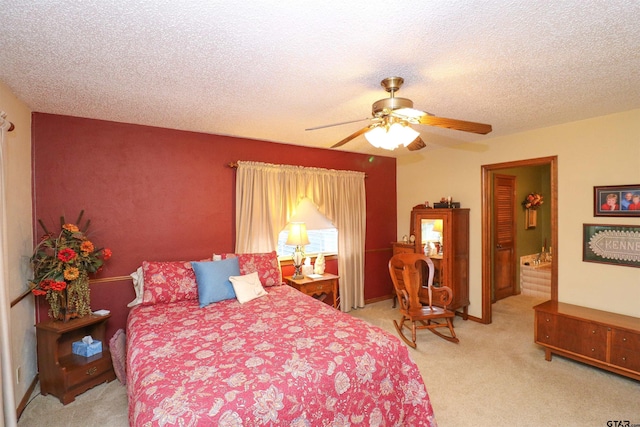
x=352 y=136
x=417 y=144
x=337 y=124
x=462 y=125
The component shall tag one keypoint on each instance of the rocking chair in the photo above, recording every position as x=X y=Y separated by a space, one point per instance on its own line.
x=405 y=270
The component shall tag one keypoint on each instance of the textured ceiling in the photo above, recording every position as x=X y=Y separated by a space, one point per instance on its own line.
x=269 y=69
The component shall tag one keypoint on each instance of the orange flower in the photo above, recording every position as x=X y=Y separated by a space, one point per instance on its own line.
x=86 y=246
x=106 y=253
x=38 y=292
x=71 y=273
x=71 y=227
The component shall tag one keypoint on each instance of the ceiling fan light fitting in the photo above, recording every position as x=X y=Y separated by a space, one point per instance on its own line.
x=391 y=137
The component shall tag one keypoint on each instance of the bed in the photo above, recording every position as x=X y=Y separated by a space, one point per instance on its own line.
x=281 y=359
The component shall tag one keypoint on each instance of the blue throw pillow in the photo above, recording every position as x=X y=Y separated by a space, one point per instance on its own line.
x=212 y=278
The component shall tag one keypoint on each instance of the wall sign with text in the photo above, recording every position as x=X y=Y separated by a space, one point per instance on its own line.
x=611 y=244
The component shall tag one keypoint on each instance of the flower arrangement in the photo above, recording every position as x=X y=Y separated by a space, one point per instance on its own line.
x=532 y=201
x=61 y=264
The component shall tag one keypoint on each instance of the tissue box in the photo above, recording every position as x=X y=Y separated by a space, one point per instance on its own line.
x=86 y=350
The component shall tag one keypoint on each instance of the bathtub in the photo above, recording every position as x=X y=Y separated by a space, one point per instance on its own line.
x=535 y=279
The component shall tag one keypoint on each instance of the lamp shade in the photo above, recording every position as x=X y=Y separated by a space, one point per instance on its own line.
x=392 y=136
x=297 y=234
x=437 y=225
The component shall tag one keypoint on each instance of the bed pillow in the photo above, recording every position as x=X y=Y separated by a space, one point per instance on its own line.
x=247 y=287
x=166 y=282
x=265 y=264
x=212 y=279
x=138 y=287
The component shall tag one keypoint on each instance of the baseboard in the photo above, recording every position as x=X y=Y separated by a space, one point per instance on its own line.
x=474 y=318
x=378 y=299
x=25 y=399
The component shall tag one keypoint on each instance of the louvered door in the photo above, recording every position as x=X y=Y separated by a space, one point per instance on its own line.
x=504 y=260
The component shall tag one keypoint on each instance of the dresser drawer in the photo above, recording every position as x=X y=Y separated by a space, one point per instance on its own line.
x=315 y=288
x=546 y=330
x=403 y=249
x=583 y=337
x=625 y=339
x=578 y=336
x=625 y=349
x=81 y=369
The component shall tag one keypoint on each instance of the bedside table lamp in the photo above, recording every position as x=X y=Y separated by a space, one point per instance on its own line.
x=298 y=238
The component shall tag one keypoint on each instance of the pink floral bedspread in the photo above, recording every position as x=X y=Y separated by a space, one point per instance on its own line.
x=281 y=360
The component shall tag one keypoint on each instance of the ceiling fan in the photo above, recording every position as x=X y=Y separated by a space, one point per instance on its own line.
x=392 y=117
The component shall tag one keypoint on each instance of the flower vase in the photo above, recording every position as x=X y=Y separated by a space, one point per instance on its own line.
x=65 y=312
x=74 y=301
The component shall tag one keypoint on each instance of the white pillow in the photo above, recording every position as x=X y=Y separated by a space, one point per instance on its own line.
x=138 y=286
x=247 y=287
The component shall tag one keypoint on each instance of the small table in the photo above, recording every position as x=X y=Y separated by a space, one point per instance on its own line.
x=328 y=283
x=64 y=374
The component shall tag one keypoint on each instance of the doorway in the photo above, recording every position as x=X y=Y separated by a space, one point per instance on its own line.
x=488 y=225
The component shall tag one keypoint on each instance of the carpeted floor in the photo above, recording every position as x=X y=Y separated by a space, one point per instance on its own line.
x=495 y=376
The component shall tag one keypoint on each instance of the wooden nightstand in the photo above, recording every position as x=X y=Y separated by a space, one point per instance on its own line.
x=327 y=284
x=64 y=374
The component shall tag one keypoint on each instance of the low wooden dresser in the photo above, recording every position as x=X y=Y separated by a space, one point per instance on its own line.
x=606 y=340
x=328 y=284
x=64 y=374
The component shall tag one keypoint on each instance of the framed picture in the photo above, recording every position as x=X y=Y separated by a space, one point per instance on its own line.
x=611 y=244
x=616 y=200
x=530 y=218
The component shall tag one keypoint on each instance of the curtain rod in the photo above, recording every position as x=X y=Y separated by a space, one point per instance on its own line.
x=234 y=165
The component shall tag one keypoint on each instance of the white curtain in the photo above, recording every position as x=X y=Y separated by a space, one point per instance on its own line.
x=6 y=375
x=266 y=198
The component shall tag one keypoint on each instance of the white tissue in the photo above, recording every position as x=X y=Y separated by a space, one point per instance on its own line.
x=87 y=340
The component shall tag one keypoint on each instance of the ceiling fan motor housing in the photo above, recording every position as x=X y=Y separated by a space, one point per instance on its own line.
x=385 y=106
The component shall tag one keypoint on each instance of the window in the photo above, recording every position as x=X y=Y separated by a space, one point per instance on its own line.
x=325 y=241
x=323 y=235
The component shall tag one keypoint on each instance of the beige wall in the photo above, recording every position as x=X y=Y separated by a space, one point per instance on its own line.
x=600 y=151
x=19 y=238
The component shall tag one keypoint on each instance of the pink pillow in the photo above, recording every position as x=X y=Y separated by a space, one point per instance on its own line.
x=265 y=264
x=166 y=282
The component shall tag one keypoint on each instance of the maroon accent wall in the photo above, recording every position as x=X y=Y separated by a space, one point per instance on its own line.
x=162 y=194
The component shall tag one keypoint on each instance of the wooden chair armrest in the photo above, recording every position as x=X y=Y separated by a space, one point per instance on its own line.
x=441 y=296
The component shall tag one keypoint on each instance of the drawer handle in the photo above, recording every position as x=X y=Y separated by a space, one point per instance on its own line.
x=593 y=349
x=548 y=320
x=593 y=332
x=546 y=336
x=624 y=359
x=624 y=339
x=92 y=371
